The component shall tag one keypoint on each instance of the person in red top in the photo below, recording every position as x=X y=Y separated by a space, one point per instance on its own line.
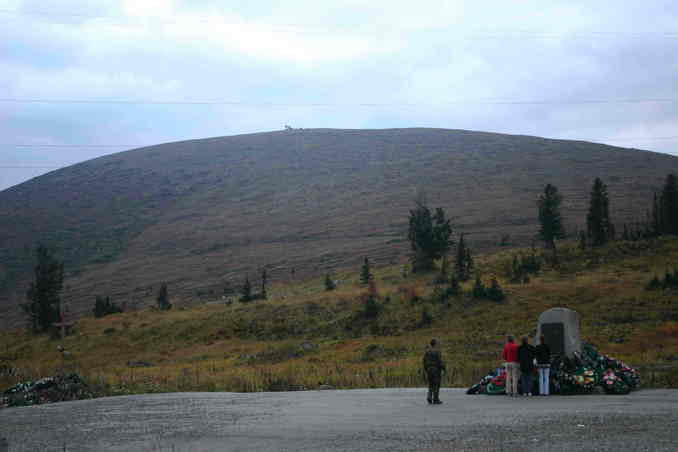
x=510 y=356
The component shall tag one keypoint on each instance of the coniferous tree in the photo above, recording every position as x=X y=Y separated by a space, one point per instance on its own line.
x=163 y=298
x=463 y=263
x=455 y=287
x=669 y=206
x=246 y=291
x=550 y=221
x=444 y=275
x=104 y=306
x=329 y=283
x=430 y=236
x=365 y=272
x=494 y=292
x=600 y=229
x=656 y=222
x=371 y=308
x=469 y=263
x=479 y=290
x=44 y=294
x=264 y=280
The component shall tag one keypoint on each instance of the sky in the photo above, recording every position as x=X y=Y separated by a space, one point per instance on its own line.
x=82 y=78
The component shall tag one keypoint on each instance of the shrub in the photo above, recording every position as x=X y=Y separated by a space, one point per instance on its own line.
x=478 y=288
x=426 y=318
x=371 y=308
x=495 y=293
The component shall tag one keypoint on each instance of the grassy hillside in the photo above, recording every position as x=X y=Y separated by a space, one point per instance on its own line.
x=200 y=213
x=304 y=337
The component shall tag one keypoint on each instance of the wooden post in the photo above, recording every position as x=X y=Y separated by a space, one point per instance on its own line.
x=61 y=318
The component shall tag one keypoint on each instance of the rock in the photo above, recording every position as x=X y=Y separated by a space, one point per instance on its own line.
x=325 y=387
x=308 y=346
x=140 y=364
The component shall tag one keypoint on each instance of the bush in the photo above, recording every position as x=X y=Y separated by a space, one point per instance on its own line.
x=495 y=293
x=371 y=308
x=426 y=318
x=104 y=307
x=479 y=290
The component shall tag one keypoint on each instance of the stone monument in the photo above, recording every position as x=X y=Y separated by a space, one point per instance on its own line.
x=560 y=327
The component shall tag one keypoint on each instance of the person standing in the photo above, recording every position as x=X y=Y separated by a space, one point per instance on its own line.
x=526 y=360
x=510 y=357
x=543 y=355
x=433 y=370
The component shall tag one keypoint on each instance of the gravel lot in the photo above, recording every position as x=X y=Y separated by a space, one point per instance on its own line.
x=356 y=420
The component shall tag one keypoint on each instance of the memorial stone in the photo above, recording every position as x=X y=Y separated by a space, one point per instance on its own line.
x=560 y=328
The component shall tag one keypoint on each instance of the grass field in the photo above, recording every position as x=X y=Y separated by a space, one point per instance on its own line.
x=305 y=337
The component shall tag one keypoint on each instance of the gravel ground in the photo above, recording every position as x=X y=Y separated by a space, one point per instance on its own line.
x=356 y=420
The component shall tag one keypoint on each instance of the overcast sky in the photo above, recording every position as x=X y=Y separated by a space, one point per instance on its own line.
x=604 y=71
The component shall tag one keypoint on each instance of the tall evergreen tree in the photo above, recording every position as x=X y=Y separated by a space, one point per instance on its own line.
x=599 y=227
x=163 y=298
x=365 y=272
x=469 y=263
x=104 y=306
x=462 y=269
x=655 y=218
x=246 y=290
x=264 y=280
x=550 y=220
x=430 y=236
x=44 y=294
x=329 y=283
x=669 y=206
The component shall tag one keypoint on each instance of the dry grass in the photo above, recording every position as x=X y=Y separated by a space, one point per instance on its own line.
x=260 y=345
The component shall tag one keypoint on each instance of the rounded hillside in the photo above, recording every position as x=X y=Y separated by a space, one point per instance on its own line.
x=198 y=213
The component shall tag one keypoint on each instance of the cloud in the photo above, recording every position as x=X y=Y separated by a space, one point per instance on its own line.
x=417 y=61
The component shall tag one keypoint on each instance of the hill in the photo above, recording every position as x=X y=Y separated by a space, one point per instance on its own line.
x=303 y=336
x=201 y=214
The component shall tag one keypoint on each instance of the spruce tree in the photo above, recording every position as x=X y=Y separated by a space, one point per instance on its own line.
x=365 y=272
x=494 y=292
x=104 y=306
x=44 y=294
x=455 y=287
x=479 y=290
x=329 y=283
x=600 y=229
x=463 y=262
x=163 y=298
x=656 y=221
x=669 y=206
x=264 y=280
x=469 y=263
x=246 y=291
x=550 y=221
x=430 y=236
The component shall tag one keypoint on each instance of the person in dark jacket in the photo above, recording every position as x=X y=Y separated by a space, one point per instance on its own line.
x=526 y=360
x=433 y=370
x=543 y=355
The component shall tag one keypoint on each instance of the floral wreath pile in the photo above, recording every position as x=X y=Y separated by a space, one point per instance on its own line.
x=577 y=375
x=46 y=390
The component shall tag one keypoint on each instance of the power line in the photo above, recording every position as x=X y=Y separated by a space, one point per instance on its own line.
x=339 y=105
x=31 y=167
x=33 y=145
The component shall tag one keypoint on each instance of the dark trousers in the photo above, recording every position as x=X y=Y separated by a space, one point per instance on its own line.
x=526 y=382
x=433 y=376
